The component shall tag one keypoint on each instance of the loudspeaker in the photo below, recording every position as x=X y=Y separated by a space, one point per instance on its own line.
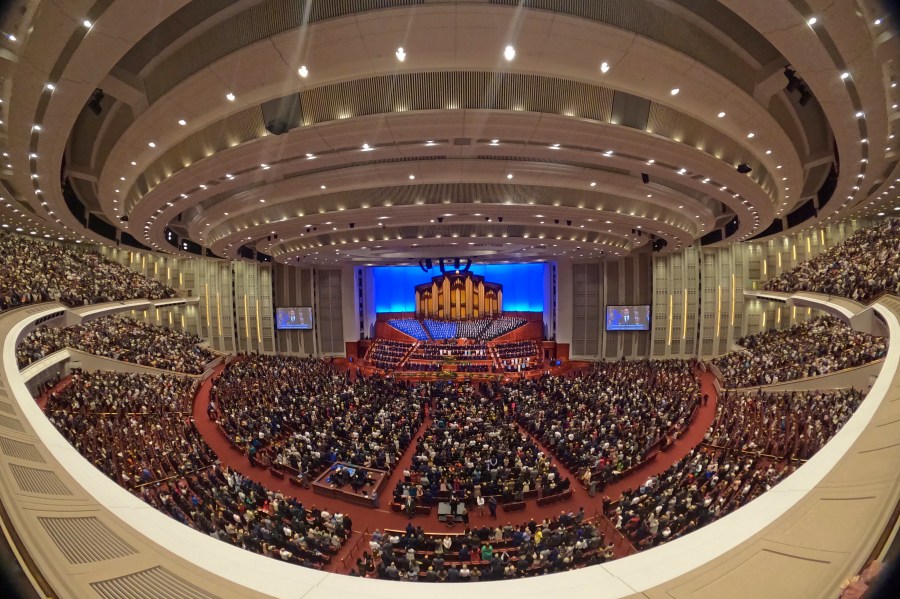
x=456 y=263
x=645 y=178
x=428 y=263
x=281 y=114
x=744 y=168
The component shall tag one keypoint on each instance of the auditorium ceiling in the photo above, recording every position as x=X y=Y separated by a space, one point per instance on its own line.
x=384 y=131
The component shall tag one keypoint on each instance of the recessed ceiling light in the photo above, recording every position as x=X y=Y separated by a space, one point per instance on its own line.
x=675 y=91
x=509 y=176
x=303 y=71
x=151 y=144
x=651 y=161
x=323 y=187
x=593 y=184
x=845 y=75
x=366 y=148
x=400 y=54
x=12 y=38
x=721 y=115
x=182 y=122
x=509 y=53
x=860 y=114
x=230 y=97
x=751 y=135
x=604 y=67
x=494 y=142
x=812 y=20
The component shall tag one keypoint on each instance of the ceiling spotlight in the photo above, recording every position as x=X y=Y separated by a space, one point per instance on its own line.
x=675 y=91
x=133 y=163
x=845 y=75
x=50 y=87
x=400 y=54
x=812 y=21
x=509 y=53
x=303 y=71
x=751 y=135
x=35 y=127
x=860 y=114
x=323 y=187
x=11 y=38
x=411 y=177
x=743 y=168
x=721 y=115
x=366 y=147
x=495 y=142
x=229 y=96
x=509 y=176
x=651 y=161
x=182 y=122
x=604 y=67
x=87 y=24
x=152 y=144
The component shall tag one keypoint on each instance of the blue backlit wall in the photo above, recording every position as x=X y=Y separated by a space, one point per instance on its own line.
x=523 y=285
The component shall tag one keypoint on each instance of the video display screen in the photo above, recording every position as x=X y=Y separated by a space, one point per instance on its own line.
x=294 y=318
x=628 y=318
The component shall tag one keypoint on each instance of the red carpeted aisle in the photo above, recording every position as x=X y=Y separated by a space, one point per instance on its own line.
x=382 y=517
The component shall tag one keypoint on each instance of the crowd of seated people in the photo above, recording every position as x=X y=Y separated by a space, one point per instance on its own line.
x=516 y=356
x=861 y=267
x=501 y=326
x=608 y=420
x=485 y=553
x=474 y=448
x=700 y=488
x=137 y=429
x=33 y=271
x=387 y=353
x=812 y=348
x=751 y=445
x=413 y=366
x=439 y=351
x=120 y=338
x=301 y=415
x=790 y=424
x=410 y=326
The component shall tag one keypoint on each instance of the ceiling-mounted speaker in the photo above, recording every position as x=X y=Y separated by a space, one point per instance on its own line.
x=744 y=168
x=645 y=178
x=456 y=262
x=428 y=264
x=441 y=266
x=94 y=104
x=281 y=114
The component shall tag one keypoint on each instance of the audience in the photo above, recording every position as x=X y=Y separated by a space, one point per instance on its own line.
x=138 y=430
x=486 y=553
x=861 y=267
x=33 y=271
x=120 y=338
x=787 y=425
x=472 y=448
x=608 y=420
x=812 y=348
x=300 y=414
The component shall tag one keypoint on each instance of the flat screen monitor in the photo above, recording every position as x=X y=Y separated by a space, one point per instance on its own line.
x=293 y=318
x=628 y=318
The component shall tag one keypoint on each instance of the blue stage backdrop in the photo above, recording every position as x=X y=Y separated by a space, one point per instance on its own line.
x=523 y=285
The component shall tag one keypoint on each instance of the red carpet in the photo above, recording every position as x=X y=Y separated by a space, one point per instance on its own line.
x=367 y=520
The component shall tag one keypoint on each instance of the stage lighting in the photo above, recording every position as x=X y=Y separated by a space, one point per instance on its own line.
x=645 y=178
x=744 y=168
